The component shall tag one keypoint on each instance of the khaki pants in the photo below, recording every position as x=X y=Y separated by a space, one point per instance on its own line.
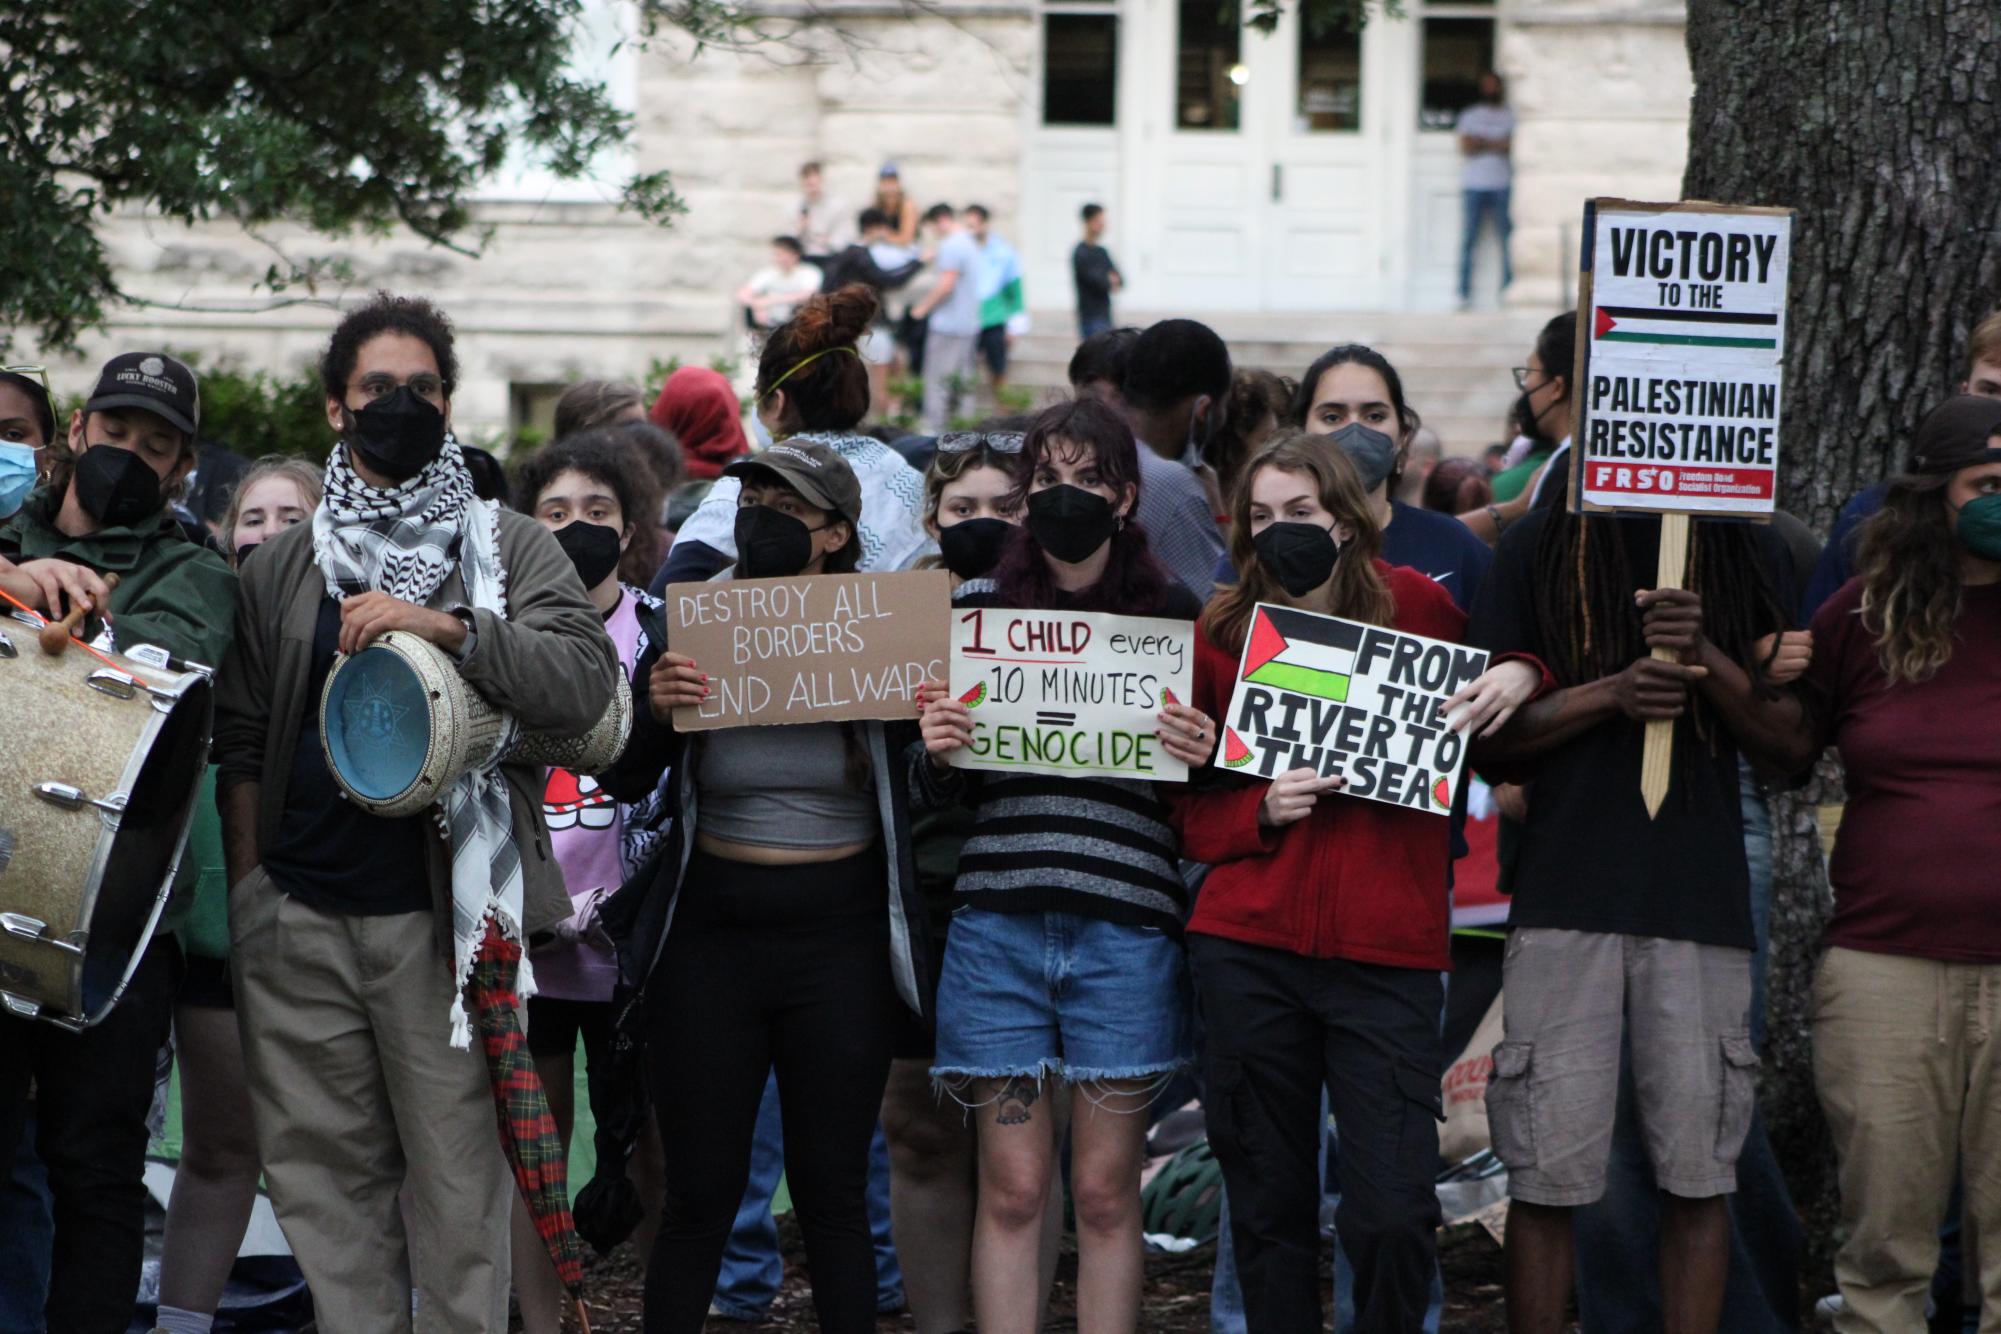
x=367 y=1117
x=1906 y=1063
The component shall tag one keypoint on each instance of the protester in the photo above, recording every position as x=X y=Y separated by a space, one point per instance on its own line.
x=1064 y=961
x=950 y=312
x=103 y=509
x=1320 y=933
x=27 y=426
x=823 y=224
x=1175 y=397
x=1354 y=395
x=1259 y=402
x=795 y=932
x=1486 y=135
x=588 y=404
x=215 y=1182
x=1906 y=661
x=811 y=385
x=894 y=204
x=1546 y=413
x=1456 y=486
x=1628 y=928
x=700 y=409
x=1095 y=275
x=1003 y=310
x=352 y=934
x=1420 y=457
x=776 y=290
x=1098 y=366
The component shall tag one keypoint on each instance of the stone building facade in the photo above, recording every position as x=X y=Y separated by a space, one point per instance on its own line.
x=1294 y=175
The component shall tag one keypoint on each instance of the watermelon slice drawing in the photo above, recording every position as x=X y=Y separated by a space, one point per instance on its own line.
x=975 y=697
x=1167 y=696
x=1441 y=792
x=1235 y=753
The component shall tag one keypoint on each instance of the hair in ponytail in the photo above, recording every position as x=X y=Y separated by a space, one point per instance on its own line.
x=831 y=393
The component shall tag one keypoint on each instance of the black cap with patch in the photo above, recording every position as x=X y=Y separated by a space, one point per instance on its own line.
x=1958 y=433
x=152 y=381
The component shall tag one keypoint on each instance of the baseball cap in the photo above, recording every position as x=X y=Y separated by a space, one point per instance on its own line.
x=888 y=169
x=1956 y=434
x=153 y=381
x=812 y=469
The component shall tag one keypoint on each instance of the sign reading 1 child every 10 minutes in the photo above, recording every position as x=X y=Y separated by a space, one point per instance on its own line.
x=1680 y=359
x=1069 y=692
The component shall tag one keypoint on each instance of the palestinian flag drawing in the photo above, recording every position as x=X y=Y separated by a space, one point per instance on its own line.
x=1300 y=652
x=1685 y=328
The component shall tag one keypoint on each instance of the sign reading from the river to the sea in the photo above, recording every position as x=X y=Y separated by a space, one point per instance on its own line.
x=1064 y=692
x=1681 y=336
x=1339 y=697
x=810 y=649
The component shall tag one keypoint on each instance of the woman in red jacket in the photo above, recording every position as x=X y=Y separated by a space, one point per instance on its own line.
x=1319 y=936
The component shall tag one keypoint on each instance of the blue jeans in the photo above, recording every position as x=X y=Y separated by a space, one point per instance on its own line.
x=1092 y=326
x=1618 y=1271
x=752 y=1267
x=27 y=1237
x=1482 y=204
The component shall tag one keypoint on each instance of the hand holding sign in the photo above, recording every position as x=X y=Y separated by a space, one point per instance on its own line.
x=675 y=683
x=1293 y=795
x=946 y=723
x=1185 y=732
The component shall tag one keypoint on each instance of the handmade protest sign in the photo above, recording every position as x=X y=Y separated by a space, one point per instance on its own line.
x=1680 y=341
x=1339 y=697
x=810 y=649
x=1069 y=692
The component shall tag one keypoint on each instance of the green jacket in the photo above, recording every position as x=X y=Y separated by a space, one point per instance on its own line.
x=171 y=593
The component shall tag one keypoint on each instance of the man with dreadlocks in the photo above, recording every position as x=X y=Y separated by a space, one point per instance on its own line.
x=1627 y=928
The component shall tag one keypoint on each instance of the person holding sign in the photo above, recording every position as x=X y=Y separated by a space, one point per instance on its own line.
x=1064 y=957
x=1906 y=680
x=786 y=874
x=1628 y=928
x=1320 y=933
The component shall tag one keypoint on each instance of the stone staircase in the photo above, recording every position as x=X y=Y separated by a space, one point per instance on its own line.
x=1455 y=367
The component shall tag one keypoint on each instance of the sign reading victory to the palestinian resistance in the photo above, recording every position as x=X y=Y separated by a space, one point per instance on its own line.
x=810 y=649
x=1339 y=697
x=1057 y=692
x=1681 y=338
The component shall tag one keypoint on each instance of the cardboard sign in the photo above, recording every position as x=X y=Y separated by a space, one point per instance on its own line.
x=1339 y=697
x=1069 y=692
x=1680 y=339
x=812 y=649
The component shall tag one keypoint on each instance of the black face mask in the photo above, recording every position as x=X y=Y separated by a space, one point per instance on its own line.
x=771 y=544
x=1525 y=417
x=398 y=434
x=971 y=547
x=243 y=552
x=1069 y=522
x=591 y=547
x=116 y=487
x=1300 y=556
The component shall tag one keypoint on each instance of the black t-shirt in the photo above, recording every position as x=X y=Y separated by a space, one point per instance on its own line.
x=1094 y=268
x=1590 y=858
x=329 y=852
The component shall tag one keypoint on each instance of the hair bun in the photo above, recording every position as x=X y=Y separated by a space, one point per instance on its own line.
x=834 y=319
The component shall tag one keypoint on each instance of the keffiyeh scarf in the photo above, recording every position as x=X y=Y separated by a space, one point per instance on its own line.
x=403 y=541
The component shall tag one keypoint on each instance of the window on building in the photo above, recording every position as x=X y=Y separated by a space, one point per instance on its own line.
x=1209 y=70
x=1457 y=50
x=1080 y=69
x=531 y=410
x=1330 y=74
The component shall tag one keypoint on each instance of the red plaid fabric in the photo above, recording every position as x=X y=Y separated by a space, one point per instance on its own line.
x=527 y=1130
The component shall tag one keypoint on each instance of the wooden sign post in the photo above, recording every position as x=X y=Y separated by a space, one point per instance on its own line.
x=1681 y=313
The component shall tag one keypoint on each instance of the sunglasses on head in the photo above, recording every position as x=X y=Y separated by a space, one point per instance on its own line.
x=40 y=373
x=1000 y=442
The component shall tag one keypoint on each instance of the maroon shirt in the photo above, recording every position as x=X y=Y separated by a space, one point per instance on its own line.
x=1915 y=865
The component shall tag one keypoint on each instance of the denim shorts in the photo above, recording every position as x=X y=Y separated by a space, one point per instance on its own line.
x=1035 y=993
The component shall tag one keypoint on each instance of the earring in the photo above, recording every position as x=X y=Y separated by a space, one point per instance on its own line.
x=1122 y=523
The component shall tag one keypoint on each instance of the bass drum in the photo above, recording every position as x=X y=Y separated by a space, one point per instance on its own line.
x=99 y=771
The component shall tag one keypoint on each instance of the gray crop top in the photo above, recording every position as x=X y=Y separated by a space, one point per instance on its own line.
x=782 y=787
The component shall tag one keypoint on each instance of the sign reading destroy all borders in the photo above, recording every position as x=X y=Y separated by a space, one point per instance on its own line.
x=1057 y=692
x=810 y=649
x=1339 y=697
x=1681 y=340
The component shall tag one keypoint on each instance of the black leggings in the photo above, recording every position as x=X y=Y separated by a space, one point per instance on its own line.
x=770 y=966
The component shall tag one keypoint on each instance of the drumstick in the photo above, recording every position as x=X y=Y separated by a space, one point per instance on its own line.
x=56 y=634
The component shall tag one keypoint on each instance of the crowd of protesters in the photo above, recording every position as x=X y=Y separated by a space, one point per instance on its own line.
x=947 y=1000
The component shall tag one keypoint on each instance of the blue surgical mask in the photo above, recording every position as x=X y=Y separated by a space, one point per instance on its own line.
x=17 y=475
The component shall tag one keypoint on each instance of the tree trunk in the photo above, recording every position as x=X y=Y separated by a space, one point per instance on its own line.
x=1878 y=120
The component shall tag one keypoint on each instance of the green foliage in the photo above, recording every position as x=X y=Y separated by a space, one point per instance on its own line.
x=355 y=116
x=257 y=413
x=1320 y=16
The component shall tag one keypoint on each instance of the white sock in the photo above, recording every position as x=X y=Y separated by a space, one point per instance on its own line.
x=173 y=1320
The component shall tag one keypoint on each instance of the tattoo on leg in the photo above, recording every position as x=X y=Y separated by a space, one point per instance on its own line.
x=1016 y=1097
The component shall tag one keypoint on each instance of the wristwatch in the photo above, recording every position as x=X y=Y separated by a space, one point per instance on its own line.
x=463 y=615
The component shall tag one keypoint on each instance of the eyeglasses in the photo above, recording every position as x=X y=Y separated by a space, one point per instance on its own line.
x=1000 y=442
x=1522 y=374
x=39 y=372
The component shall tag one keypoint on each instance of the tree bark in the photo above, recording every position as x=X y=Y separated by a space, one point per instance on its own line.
x=1878 y=121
